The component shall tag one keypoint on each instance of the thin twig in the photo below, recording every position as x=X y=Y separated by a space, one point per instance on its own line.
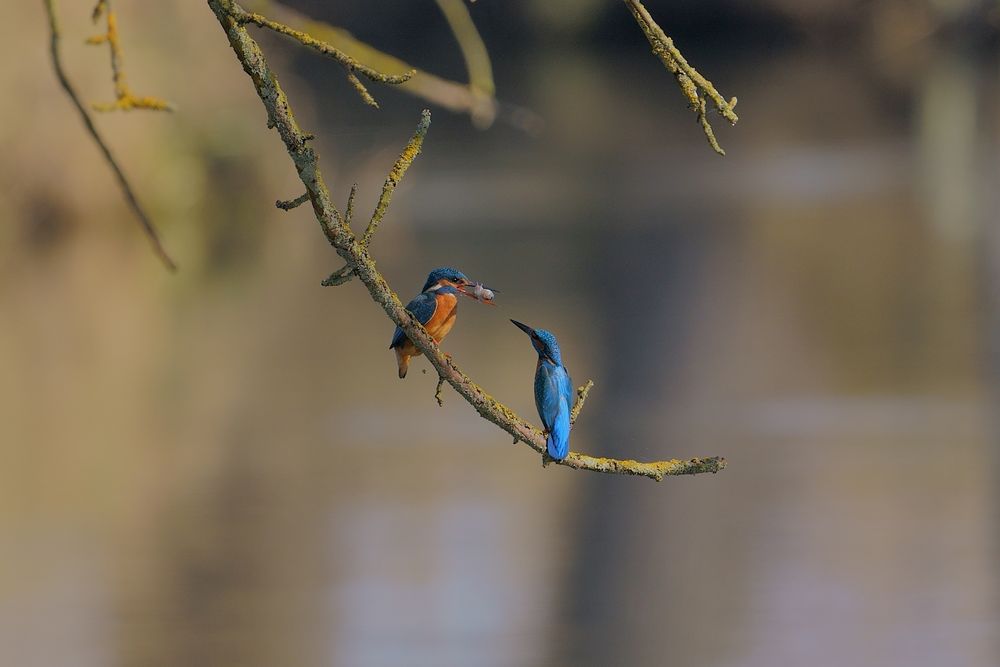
x=342 y=239
x=349 y=212
x=289 y=204
x=123 y=183
x=403 y=162
x=366 y=96
x=581 y=397
x=339 y=277
x=437 y=392
x=125 y=99
x=688 y=78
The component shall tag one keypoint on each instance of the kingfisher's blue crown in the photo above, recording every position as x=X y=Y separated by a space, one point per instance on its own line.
x=543 y=341
x=443 y=273
x=547 y=345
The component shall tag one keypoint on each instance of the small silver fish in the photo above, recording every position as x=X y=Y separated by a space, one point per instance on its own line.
x=481 y=292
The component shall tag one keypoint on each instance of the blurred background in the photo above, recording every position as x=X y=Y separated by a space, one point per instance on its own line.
x=220 y=467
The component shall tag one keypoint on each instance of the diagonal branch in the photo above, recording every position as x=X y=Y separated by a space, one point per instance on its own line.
x=140 y=214
x=688 y=78
x=357 y=257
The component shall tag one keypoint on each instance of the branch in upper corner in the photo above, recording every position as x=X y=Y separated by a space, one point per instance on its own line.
x=477 y=59
x=457 y=97
x=352 y=66
x=688 y=78
x=125 y=99
x=140 y=214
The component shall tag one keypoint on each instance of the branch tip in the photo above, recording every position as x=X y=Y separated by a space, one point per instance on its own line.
x=339 y=277
x=437 y=392
x=581 y=397
x=289 y=204
x=349 y=211
x=399 y=168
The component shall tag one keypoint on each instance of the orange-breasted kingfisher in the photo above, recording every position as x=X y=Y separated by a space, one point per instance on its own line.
x=553 y=391
x=436 y=308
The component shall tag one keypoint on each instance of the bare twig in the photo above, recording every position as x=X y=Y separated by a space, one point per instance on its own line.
x=581 y=397
x=123 y=183
x=125 y=99
x=357 y=257
x=437 y=392
x=403 y=162
x=688 y=78
x=349 y=213
x=289 y=204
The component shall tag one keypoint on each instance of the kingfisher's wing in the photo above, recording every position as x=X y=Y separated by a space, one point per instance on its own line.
x=422 y=307
x=553 y=388
x=568 y=389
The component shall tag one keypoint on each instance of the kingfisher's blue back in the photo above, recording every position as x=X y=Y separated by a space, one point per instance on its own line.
x=554 y=400
x=553 y=390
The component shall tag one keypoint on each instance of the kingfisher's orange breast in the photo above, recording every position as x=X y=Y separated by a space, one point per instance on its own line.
x=444 y=316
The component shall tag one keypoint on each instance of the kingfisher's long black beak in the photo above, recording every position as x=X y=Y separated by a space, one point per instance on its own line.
x=524 y=327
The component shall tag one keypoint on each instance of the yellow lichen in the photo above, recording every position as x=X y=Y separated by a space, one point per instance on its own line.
x=125 y=99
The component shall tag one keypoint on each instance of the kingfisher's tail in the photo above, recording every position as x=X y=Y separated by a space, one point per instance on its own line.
x=557 y=443
x=403 y=360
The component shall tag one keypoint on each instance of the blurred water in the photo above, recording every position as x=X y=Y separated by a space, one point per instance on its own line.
x=222 y=468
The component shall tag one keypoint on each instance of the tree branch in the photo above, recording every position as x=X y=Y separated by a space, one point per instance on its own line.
x=357 y=257
x=125 y=99
x=688 y=78
x=126 y=188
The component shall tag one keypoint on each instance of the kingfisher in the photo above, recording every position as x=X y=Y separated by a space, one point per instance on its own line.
x=436 y=308
x=553 y=391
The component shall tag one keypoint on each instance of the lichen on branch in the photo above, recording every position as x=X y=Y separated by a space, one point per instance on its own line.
x=693 y=85
x=125 y=99
x=357 y=258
